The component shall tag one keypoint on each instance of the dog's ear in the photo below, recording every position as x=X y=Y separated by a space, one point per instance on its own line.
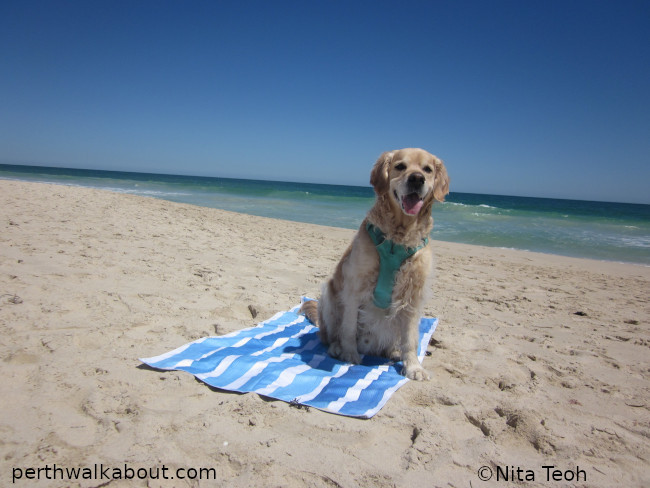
x=379 y=173
x=441 y=183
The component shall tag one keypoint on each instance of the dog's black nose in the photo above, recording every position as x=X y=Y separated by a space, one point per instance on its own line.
x=416 y=180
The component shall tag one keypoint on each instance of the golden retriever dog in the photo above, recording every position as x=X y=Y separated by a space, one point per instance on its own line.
x=373 y=301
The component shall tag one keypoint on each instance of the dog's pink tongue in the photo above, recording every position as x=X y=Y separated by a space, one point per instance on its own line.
x=411 y=203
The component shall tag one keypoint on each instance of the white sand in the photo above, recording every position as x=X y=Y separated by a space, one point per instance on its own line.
x=101 y=279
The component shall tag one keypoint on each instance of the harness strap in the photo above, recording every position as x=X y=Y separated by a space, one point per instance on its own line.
x=391 y=257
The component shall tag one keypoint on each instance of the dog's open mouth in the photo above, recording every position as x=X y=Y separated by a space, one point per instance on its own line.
x=412 y=203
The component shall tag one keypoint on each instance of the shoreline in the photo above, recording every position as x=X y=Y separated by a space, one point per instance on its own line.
x=120 y=192
x=538 y=359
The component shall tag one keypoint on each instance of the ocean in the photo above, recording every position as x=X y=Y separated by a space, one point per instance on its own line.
x=597 y=230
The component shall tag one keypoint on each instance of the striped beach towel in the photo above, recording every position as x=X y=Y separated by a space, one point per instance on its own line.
x=283 y=358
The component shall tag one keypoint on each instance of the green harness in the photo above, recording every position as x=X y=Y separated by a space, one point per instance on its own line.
x=391 y=257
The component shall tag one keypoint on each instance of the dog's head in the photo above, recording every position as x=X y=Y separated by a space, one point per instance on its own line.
x=411 y=179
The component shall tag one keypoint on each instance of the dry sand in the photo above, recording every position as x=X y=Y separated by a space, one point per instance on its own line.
x=538 y=360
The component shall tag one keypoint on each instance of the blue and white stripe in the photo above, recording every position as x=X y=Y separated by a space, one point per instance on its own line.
x=283 y=358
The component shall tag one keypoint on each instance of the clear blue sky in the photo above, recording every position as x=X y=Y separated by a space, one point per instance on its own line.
x=518 y=97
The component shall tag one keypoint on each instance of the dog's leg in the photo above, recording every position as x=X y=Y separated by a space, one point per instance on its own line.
x=326 y=318
x=345 y=348
x=412 y=368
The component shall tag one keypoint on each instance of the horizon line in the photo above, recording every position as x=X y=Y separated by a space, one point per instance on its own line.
x=41 y=165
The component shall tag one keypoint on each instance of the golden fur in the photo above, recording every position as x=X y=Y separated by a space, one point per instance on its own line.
x=349 y=322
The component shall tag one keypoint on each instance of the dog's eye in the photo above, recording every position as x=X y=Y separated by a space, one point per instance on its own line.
x=428 y=169
x=400 y=167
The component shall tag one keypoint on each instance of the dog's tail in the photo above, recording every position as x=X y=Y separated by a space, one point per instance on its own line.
x=310 y=310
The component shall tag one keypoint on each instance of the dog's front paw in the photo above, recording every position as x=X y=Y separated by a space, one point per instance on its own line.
x=415 y=372
x=345 y=355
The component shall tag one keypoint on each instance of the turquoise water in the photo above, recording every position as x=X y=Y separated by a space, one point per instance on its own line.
x=597 y=230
